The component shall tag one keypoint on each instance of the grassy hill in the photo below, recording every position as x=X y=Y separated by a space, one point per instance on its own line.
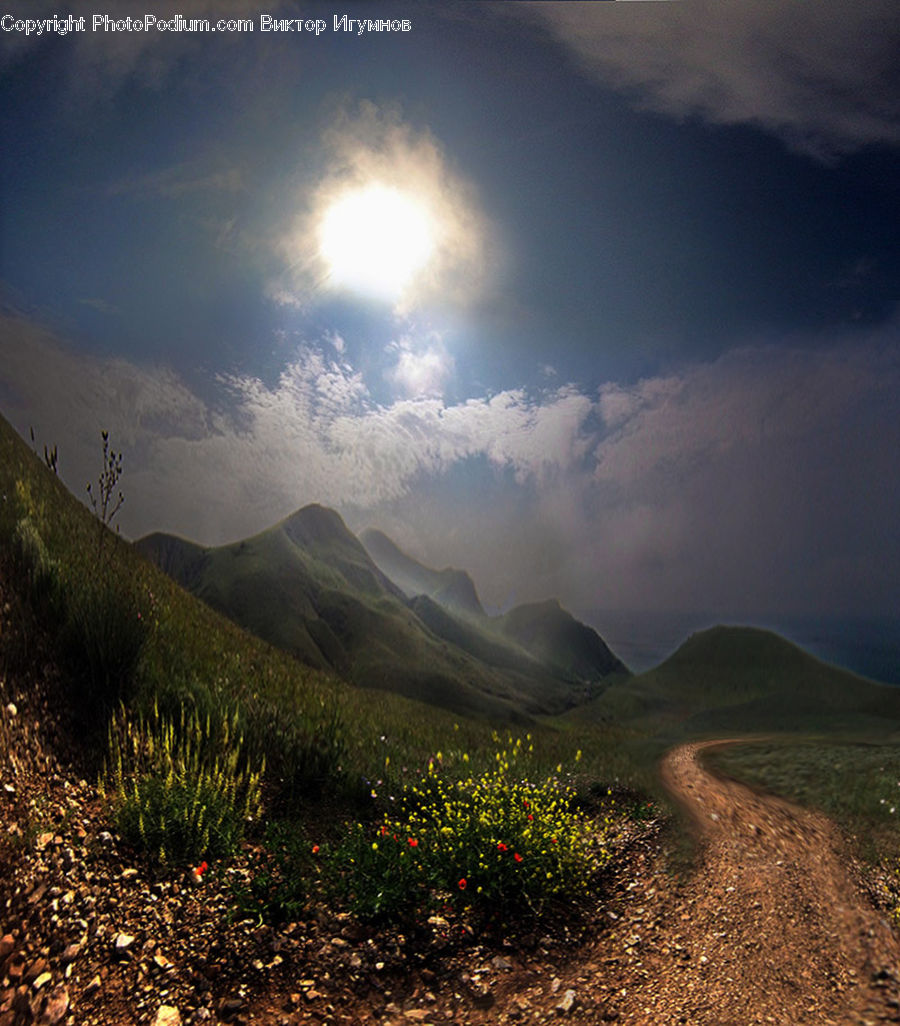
x=557 y=639
x=310 y=724
x=308 y=586
x=740 y=680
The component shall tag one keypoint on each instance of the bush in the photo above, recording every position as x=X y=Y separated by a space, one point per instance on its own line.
x=36 y=571
x=497 y=844
x=181 y=788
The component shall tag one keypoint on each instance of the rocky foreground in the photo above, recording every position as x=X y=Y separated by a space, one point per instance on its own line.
x=90 y=934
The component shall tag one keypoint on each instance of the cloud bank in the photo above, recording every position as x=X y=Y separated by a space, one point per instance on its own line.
x=825 y=80
x=764 y=481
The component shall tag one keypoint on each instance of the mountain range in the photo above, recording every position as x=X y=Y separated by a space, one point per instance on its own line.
x=365 y=611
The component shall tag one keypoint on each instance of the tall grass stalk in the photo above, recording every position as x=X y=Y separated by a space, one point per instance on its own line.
x=181 y=788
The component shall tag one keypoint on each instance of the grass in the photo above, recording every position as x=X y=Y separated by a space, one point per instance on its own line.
x=182 y=788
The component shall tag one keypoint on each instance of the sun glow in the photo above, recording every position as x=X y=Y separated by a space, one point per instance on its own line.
x=375 y=240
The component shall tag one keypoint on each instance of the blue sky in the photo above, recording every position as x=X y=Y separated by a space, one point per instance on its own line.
x=651 y=360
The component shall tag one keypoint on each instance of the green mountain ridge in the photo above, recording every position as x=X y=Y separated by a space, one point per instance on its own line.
x=544 y=631
x=309 y=586
x=451 y=588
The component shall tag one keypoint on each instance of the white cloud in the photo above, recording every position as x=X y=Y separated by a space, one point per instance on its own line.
x=420 y=370
x=824 y=79
x=763 y=481
x=315 y=435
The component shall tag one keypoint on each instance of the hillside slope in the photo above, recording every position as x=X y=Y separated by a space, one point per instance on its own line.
x=451 y=588
x=309 y=586
x=541 y=631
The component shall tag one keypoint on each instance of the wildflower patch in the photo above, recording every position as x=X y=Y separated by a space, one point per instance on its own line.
x=496 y=844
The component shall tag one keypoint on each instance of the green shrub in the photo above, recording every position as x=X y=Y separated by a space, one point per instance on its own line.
x=497 y=844
x=36 y=571
x=181 y=788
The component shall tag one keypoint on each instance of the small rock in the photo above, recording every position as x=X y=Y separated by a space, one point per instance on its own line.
x=71 y=952
x=499 y=962
x=231 y=1008
x=167 y=1015
x=567 y=1003
x=37 y=893
x=11 y=709
x=42 y=981
x=122 y=944
x=481 y=993
x=7 y=945
x=56 y=1007
x=15 y=970
x=37 y=967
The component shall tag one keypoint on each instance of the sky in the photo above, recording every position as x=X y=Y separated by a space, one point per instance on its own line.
x=596 y=301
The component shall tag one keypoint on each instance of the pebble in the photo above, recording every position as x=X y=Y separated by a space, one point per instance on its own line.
x=567 y=1003
x=167 y=1015
x=55 y=1008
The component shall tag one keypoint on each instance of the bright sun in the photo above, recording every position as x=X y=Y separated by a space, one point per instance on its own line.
x=375 y=240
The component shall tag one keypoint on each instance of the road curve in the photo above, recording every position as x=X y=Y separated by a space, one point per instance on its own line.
x=786 y=934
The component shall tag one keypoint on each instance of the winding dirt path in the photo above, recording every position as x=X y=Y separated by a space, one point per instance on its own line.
x=775 y=929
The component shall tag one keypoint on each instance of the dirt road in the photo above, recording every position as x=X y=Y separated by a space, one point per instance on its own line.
x=772 y=928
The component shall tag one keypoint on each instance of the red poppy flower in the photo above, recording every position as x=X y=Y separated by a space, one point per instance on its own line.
x=462 y=884
x=413 y=842
x=530 y=817
x=517 y=857
x=501 y=846
x=315 y=849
